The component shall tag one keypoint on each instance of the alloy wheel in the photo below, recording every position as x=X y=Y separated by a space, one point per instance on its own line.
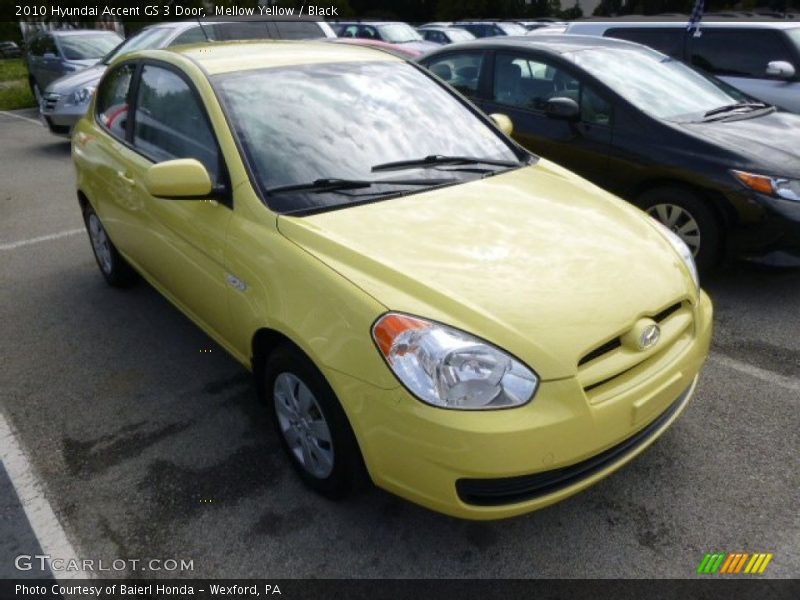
x=100 y=243
x=303 y=425
x=680 y=222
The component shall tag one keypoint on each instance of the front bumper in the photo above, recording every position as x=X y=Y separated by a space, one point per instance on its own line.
x=439 y=458
x=60 y=116
x=769 y=231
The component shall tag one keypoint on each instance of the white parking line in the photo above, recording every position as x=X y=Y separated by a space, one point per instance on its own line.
x=46 y=526
x=21 y=118
x=43 y=238
x=790 y=383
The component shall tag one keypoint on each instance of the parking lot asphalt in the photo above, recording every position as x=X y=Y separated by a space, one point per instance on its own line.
x=148 y=441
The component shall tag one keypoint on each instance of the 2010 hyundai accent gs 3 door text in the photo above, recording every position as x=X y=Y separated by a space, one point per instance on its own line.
x=481 y=330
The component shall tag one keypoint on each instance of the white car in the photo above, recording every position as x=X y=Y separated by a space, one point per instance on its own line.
x=760 y=58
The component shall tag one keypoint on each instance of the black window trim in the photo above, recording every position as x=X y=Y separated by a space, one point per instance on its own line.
x=223 y=193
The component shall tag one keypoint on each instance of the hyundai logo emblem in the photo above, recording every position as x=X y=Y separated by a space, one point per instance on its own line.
x=649 y=337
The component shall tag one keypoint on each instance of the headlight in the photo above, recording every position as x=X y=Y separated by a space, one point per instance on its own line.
x=449 y=368
x=682 y=249
x=781 y=187
x=83 y=95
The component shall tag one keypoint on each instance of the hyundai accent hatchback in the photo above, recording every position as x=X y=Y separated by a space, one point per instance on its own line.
x=420 y=299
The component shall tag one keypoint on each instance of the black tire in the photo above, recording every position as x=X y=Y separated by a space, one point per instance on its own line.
x=115 y=269
x=347 y=473
x=657 y=203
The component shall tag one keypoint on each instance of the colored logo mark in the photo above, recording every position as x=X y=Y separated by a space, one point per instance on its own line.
x=734 y=563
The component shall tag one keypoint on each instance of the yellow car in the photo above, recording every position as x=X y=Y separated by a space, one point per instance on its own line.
x=419 y=298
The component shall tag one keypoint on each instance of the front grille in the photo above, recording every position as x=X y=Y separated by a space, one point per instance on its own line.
x=609 y=369
x=617 y=342
x=49 y=102
x=509 y=490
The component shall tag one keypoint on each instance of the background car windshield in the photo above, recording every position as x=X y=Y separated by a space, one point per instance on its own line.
x=655 y=83
x=398 y=33
x=460 y=35
x=338 y=120
x=513 y=28
x=82 y=47
x=149 y=38
x=794 y=35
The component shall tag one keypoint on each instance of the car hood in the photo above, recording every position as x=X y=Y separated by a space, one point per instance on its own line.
x=77 y=80
x=771 y=140
x=536 y=260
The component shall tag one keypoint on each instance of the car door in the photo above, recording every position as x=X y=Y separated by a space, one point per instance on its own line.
x=114 y=198
x=187 y=237
x=50 y=63
x=521 y=85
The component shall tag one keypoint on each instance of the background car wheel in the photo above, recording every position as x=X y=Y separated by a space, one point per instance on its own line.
x=115 y=269
x=688 y=216
x=312 y=426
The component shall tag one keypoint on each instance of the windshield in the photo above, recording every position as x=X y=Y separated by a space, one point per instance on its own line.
x=91 y=45
x=460 y=35
x=794 y=35
x=149 y=38
x=339 y=120
x=397 y=33
x=512 y=28
x=655 y=83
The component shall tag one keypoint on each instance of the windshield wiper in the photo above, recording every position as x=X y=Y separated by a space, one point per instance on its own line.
x=438 y=159
x=737 y=106
x=330 y=184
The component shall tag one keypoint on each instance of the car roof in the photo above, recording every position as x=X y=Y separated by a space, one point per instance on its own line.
x=681 y=22
x=554 y=44
x=71 y=32
x=228 y=57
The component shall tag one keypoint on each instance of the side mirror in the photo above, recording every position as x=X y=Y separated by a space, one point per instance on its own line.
x=503 y=122
x=562 y=108
x=780 y=69
x=185 y=178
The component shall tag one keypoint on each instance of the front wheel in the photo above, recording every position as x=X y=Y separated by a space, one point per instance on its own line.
x=113 y=267
x=313 y=428
x=688 y=216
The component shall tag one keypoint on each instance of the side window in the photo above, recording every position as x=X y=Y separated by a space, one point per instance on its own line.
x=529 y=83
x=112 y=100
x=244 y=30
x=194 y=35
x=36 y=46
x=367 y=32
x=49 y=45
x=349 y=31
x=299 y=30
x=170 y=123
x=461 y=70
x=667 y=40
x=738 y=53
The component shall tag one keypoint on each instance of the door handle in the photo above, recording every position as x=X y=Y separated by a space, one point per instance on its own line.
x=124 y=176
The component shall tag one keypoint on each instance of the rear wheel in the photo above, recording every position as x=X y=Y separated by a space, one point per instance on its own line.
x=312 y=426
x=686 y=214
x=116 y=271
